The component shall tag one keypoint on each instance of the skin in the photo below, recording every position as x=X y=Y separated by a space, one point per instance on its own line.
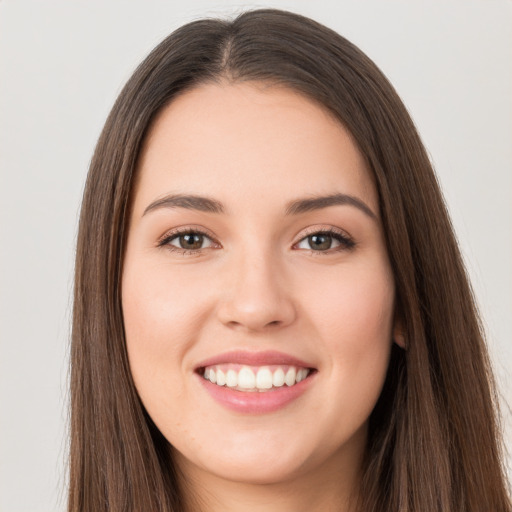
x=258 y=285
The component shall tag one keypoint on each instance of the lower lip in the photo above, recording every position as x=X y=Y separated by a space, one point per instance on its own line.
x=256 y=402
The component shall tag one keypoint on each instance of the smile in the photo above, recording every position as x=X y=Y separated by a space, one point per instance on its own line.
x=255 y=379
x=255 y=382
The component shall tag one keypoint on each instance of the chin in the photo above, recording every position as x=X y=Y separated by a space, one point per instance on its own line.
x=259 y=459
x=257 y=472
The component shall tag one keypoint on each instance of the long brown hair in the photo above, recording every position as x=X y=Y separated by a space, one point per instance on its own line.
x=434 y=441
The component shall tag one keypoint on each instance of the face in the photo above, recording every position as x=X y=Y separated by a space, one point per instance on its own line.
x=257 y=293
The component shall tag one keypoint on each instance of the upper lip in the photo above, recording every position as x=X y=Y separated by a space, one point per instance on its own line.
x=268 y=357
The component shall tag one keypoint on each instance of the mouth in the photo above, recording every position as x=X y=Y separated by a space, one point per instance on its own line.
x=255 y=382
x=254 y=379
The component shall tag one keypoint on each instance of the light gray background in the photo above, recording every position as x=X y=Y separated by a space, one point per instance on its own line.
x=62 y=65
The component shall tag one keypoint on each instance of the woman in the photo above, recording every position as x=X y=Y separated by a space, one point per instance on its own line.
x=271 y=311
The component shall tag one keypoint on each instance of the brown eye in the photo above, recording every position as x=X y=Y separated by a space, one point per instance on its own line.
x=190 y=241
x=187 y=241
x=323 y=241
x=320 y=242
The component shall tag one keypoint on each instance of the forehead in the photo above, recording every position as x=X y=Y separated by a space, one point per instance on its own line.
x=247 y=141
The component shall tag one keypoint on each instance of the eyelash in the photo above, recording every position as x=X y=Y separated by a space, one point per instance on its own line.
x=345 y=241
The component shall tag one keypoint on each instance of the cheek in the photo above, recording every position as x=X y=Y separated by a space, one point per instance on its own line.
x=360 y=300
x=353 y=318
x=160 y=318
x=159 y=307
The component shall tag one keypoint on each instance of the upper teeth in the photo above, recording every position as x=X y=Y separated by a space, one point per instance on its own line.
x=245 y=378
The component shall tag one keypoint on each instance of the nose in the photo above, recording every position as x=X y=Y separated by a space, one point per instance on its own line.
x=257 y=296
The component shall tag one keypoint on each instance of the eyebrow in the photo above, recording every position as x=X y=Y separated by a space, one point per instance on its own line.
x=317 y=203
x=296 y=207
x=190 y=202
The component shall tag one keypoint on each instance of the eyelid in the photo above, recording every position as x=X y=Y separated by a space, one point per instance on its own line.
x=185 y=228
x=321 y=228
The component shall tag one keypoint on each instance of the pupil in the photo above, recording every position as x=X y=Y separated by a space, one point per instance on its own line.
x=191 y=241
x=320 y=242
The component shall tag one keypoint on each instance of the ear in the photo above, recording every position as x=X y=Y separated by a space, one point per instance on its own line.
x=398 y=334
